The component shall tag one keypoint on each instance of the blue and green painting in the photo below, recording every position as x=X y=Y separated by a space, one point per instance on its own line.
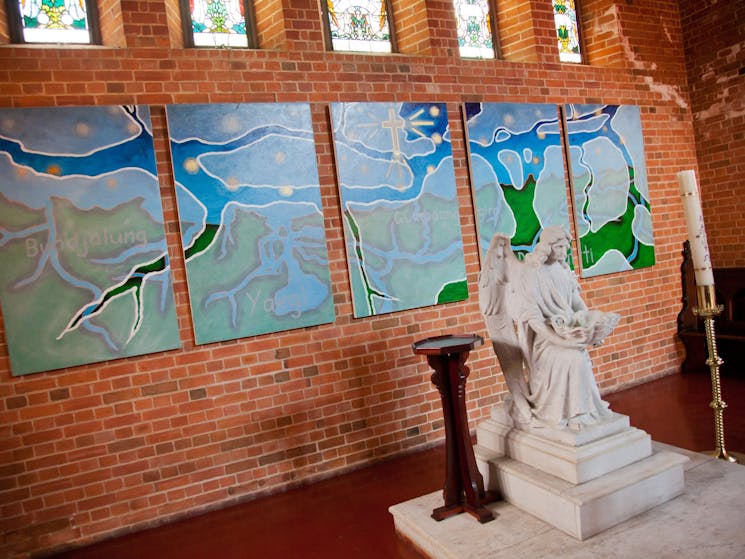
x=516 y=161
x=609 y=185
x=84 y=274
x=249 y=205
x=398 y=195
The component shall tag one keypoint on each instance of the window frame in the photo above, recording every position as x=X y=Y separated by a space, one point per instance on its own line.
x=493 y=28
x=15 y=25
x=329 y=43
x=187 y=27
x=580 y=34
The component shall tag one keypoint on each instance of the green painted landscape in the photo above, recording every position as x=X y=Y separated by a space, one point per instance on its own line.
x=609 y=183
x=401 y=220
x=252 y=228
x=517 y=171
x=85 y=275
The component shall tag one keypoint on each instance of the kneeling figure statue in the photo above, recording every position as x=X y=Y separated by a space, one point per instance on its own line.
x=540 y=330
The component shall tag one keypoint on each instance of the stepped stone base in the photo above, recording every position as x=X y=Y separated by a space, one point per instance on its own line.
x=582 y=482
x=585 y=509
x=576 y=463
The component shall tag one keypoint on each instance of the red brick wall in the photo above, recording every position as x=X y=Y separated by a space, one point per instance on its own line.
x=90 y=450
x=714 y=43
x=111 y=23
x=270 y=24
x=412 y=15
x=517 y=28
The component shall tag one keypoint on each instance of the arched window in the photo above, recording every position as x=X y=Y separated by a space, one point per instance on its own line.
x=358 y=25
x=476 y=29
x=218 y=23
x=53 y=21
x=567 y=30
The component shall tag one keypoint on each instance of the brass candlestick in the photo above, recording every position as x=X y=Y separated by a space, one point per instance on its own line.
x=708 y=309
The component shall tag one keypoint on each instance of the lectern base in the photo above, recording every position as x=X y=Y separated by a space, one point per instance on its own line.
x=481 y=513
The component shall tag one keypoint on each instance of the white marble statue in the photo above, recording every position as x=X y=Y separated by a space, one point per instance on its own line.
x=540 y=329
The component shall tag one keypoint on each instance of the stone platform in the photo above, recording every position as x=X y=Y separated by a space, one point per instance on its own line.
x=706 y=520
x=573 y=456
x=581 y=481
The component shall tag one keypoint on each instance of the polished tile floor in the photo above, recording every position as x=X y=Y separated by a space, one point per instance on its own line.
x=347 y=516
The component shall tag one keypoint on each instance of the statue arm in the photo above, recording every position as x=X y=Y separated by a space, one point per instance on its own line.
x=577 y=303
x=540 y=327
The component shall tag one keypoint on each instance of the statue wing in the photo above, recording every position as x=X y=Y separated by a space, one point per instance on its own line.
x=496 y=293
x=499 y=302
x=496 y=279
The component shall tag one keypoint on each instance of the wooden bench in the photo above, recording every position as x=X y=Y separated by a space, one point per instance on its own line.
x=729 y=327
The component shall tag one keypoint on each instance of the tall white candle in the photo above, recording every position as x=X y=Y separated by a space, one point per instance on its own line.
x=696 y=231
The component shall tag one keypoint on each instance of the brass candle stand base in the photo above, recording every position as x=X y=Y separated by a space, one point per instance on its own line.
x=708 y=309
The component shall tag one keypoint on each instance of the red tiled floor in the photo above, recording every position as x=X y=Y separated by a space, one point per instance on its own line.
x=675 y=410
x=347 y=516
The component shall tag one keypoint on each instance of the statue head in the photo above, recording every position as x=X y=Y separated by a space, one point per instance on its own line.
x=552 y=245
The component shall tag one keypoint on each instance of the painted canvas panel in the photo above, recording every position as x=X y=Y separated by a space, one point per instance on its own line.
x=609 y=185
x=84 y=274
x=398 y=195
x=517 y=171
x=249 y=205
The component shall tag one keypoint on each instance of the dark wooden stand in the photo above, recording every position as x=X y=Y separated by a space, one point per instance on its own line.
x=464 y=485
x=730 y=325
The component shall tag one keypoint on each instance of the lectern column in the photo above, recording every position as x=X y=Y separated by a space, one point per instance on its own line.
x=464 y=485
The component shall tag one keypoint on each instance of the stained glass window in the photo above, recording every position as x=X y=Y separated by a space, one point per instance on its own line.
x=218 y=23
x=359 y=25
x=475 y=38
x=567 y=30
x=54 y=21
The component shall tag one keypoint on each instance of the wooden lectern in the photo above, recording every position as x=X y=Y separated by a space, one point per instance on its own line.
x=464 y=485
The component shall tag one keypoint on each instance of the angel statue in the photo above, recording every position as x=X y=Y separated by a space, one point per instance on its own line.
x=540 y=329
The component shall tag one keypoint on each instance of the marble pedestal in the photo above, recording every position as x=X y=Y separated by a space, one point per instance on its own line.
x=705 y=521
x=581 y=482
